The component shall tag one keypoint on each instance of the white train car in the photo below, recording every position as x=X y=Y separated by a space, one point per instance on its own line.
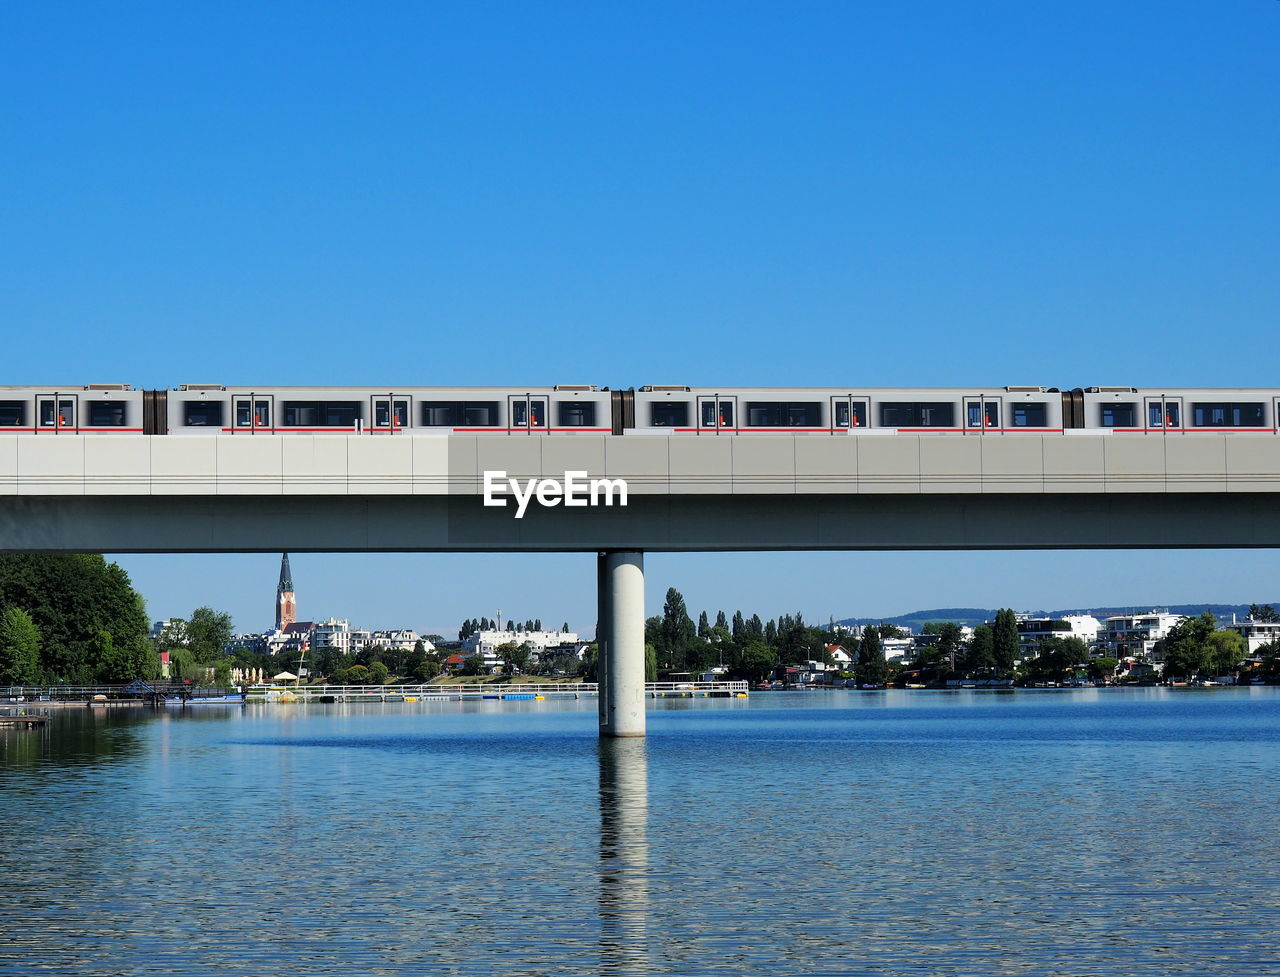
x=68 y=409
x=796 y=410
x=194 y=410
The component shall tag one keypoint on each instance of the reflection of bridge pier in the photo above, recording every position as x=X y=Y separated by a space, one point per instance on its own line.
x=624 y=855
x=620 y=636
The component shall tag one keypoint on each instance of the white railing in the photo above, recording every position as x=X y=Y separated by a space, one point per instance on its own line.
x=478 y=690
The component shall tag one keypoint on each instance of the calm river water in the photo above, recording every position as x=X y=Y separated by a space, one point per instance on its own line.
x=1074 y=833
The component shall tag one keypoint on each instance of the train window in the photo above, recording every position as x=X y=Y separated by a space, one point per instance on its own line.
x=709 y=413
x=341 y=413
x=671 y=413
x=13 y=413
x=1171 y=415
x=106 y=413
x=65 y=415
x=783 y=414
x=576 y=413
x=521 y=410
x=919 y=414
x=976 y=411
x=322 y=413
x=202 y=413
x=842 y=414
x=1030 y=415
x=480 y=413
x=1117 y=415
x=1227 y=415
x=803 y=415
x=439 y=413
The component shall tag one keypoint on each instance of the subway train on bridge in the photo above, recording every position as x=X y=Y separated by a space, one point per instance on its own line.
x=196 y=410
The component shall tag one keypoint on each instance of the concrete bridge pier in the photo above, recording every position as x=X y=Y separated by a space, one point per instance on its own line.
x=620 y=633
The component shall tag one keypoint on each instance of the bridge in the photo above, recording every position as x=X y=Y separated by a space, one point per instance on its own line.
x=869 y=490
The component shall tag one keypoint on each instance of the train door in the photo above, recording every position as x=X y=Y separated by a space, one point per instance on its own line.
x=527 y=414
x=848 y=413
x=252 y=413
x=716 y=414
x=390 y=412
x=982 y=415
x=1164 y=414
x=55 y=413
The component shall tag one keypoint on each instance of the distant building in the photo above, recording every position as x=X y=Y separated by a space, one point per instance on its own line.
x=897 y=649
x=286 y=603
x=402 y=639
x=174 y=629
x=1256 y=633
x=840 y=656
x=1135 y=635
x=337 y=633
x=487 y=643
x=1033 y=630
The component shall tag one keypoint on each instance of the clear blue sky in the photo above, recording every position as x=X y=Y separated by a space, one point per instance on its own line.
x=854 y=194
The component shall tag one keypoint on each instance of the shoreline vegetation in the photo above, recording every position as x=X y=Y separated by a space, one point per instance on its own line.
x=76 y=620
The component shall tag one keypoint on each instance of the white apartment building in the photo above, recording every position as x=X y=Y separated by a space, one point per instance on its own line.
x=1032 y=630
x=487 y=643
x=1135 y=635
x=338 y=634
x=1256 y=633
x=403 y=639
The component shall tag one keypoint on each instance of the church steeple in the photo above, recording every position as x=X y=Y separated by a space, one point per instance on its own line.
x=286 y=605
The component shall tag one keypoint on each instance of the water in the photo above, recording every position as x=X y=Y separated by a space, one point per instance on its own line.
x=1075 y=833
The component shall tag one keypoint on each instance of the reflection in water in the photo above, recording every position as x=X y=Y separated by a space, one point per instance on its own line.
x=624 y=855
x=1107 y=835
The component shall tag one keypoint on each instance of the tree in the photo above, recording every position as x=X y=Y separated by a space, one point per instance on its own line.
x=758 y=661
x=1264 y=613
x=537 y=624
x=650 y=663
x=872 y=668
x=564 y=628
x=677 y=631
x=1226 y=650
x=704 y=625
x=378 y=674
x=1186 y=647
x=949 y=637
x=70 y=599
x=208 y=634
x=770 y=633
x=1103 y=669
x=1004 y=639
x=721 y=620
x=981 y=655
x=19 y=648
x=739 y=626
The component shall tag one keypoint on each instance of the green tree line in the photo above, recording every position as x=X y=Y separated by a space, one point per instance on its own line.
x=71 y=618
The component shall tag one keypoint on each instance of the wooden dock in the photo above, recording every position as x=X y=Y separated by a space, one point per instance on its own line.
x=22 y=721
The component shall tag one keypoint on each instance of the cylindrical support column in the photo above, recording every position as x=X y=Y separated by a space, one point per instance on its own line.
x=621 y=663
x=604 y=613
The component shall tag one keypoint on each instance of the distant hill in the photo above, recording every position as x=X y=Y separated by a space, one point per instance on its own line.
x=972 y=616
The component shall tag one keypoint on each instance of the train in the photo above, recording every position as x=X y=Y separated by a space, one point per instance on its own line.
x=204 y=409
